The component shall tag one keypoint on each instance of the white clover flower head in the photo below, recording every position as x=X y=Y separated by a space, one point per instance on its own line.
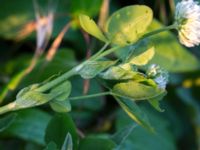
x=187 y=18
x=159 y=75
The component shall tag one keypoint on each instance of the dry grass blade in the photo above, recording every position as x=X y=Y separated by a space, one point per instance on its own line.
x=86 y=82
x=26 y=30
x=103 y=13
x=52 y=50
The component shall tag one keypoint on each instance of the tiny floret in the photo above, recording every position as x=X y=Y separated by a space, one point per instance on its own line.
x=159 y=75
x=187 y=19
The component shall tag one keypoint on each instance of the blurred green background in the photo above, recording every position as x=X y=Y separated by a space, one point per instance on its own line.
x=178 y=127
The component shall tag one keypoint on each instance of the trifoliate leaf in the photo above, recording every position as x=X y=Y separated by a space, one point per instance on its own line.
x=128 y=24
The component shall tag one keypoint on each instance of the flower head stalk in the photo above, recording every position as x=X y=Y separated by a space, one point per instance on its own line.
x=187 y=19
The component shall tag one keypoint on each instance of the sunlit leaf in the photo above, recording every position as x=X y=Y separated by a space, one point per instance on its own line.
x=137 y=91
x=118 y=73
x=91 y=27
x=128 y=24
x=143 y=58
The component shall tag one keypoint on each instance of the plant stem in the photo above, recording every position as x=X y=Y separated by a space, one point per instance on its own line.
x=173 y=26
x=107 y=52
x=58 y=80
x=89 y=96
x=7 y=108
x=68 y=74
x=100 y=51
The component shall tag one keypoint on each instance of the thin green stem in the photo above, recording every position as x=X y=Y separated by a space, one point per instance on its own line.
x=173 y=26
x=100 y=51
x=89 y=96
x=107 y=52
x=97 y=95
x=58 y=80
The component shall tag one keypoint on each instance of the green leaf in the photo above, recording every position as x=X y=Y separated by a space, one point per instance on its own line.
x=91 y=27
x=67 y=145
x=83 y=117
x=141 y=139
x=138 y=54
x=170 y=54
x=23 y=91
x=57 y=129
x=93 y=68
x=31 y=99
x=51 y=146
x=29 y=125
x=60 y=106
x=143 y=57
x=97 y=143
x=64 y=89
x=155 y=101
x=128 y=24
x=118 y=73
x=6 y=121
x=137 y=91
x=134 y=112
x=120 y=136
x=84 y=111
